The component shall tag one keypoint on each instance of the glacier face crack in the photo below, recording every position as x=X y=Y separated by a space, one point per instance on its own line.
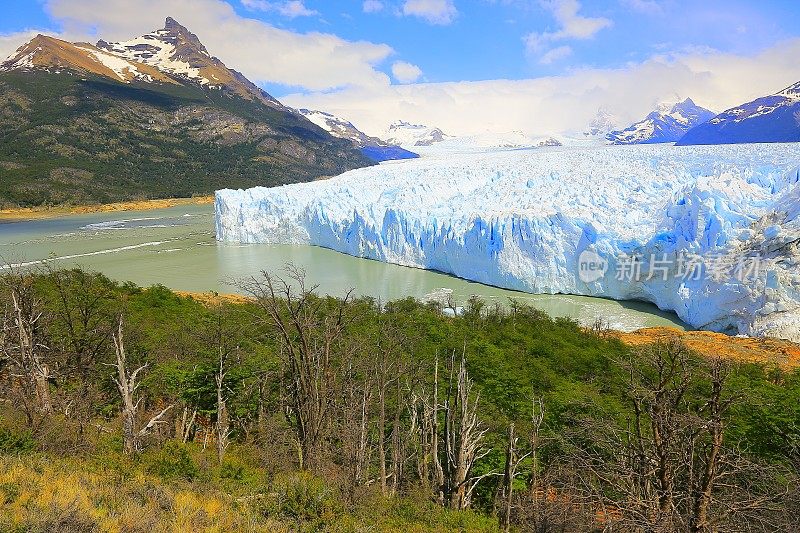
x=616 y=222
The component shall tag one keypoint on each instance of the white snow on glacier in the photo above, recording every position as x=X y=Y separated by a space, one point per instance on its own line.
x=536 y=220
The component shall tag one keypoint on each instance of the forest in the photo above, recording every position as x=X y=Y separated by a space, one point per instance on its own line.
x=75 y=140
x=136 y=409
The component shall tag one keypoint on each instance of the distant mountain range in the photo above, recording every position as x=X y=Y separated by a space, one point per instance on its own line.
x=769 y=119
x=668 y=123
x=372 y=147
x=155 y=116
x=403 y=133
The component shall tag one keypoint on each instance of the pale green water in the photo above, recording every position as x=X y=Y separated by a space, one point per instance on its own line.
x=176 y=248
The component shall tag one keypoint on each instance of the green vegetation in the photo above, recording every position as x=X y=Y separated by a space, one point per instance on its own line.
x=299 y=412
x=67 y=139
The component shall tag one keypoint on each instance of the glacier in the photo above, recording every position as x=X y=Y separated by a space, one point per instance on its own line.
x=610 y=221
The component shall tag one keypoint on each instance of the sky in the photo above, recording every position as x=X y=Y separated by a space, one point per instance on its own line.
x=466 y=66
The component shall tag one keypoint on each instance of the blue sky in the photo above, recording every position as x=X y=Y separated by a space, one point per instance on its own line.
x=485 y=39
x=350 y=47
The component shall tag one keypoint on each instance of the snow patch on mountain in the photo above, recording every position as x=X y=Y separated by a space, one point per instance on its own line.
x=372 y=147
x=341 y=128
x=122 y=68
x=488 y=142
x=151 y=50
x=403 y=133
x=526 y=219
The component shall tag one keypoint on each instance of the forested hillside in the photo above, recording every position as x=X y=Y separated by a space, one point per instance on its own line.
x=130 y=409
x=71 y=140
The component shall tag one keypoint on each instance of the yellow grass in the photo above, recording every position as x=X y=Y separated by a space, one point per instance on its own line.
x=33 y=213
x=36 y=494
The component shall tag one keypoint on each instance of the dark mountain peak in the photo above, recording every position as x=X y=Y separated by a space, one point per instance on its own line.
x=170 y=24
x=187 y=44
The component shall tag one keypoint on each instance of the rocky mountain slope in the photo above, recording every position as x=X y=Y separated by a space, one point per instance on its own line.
x=156 y=116
x=770 y=119
x=668 y=123
x=372 y=147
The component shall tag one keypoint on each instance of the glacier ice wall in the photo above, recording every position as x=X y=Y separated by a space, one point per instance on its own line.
x=527 y=219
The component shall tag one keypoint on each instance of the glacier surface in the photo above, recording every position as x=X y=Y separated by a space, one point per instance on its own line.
x=620 y=222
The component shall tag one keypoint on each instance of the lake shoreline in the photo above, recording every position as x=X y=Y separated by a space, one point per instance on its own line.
x=22 y=214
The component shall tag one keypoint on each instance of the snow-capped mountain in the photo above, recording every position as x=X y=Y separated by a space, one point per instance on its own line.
x=603 y=123
x=372 y=147
x=404 y=133
x=171 y=55
x=49 y=54
x=153 y=116
x=770 y=119
x=668 y=123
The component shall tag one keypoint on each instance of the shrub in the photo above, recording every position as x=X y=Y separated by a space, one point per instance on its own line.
x=12 y=441
x=301 y=496
x=173 y=461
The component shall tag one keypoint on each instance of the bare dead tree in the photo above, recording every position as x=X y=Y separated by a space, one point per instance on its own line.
x=356 y=416
x=22 y=343
x=388 y=372
x=185 y=424
x=670 y=469
x=537 y=418
x=463 y=438
x=225 y=341
x=222 y=425
x=310 y=330
x=513 y=460
x=127 y=385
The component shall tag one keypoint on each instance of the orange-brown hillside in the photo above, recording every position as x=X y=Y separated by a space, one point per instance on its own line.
x=747 y=349
x=48 y=52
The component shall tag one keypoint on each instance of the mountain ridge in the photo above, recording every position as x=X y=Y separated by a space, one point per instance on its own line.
x=372 y=147
x=773 y=118
x=155 y=116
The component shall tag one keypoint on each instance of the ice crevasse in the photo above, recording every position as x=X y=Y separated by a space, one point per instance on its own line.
x=710 y=232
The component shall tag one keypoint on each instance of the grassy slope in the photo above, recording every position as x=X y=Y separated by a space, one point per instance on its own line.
x=114 y=493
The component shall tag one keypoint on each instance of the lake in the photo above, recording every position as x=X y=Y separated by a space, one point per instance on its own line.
x=176 y=247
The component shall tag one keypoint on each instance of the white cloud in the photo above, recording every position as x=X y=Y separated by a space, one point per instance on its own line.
x=289 y=8
x=566 y=103
x=405 y=72
x=372 y=6
x=10 y=42
x=555 y=54
x=571 y=26
x=649 y=7
x=265 y=54
x=434 y=11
